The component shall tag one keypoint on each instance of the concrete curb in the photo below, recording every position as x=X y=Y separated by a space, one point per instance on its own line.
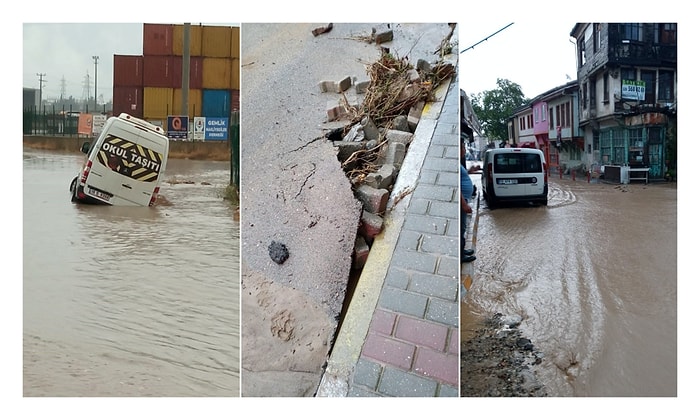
x=348 y=345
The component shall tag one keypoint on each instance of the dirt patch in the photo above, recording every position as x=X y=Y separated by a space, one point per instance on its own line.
x=286 y=335
x=497 y=361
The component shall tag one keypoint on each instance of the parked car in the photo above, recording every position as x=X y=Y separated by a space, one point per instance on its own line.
x=124 y=165
x=514 y=175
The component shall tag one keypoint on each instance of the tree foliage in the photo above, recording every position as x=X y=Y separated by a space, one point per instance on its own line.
x=494 y=107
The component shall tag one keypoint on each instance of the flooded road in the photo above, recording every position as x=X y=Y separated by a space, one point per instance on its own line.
x=124 y=301
x=594 y=277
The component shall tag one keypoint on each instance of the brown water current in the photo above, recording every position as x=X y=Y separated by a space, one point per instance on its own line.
x=122 y=301
x=594 y=277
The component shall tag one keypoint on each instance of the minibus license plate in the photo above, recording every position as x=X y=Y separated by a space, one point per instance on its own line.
x=99 y=194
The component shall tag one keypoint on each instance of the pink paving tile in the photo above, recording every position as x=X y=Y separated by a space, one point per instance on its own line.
x=441 y=366
x=422 y=332
x=389 y=351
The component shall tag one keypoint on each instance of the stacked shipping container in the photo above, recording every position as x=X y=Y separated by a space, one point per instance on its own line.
x=150 y=86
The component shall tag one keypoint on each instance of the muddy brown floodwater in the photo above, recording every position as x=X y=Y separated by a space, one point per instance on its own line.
x=123 y=301
x=593 y=276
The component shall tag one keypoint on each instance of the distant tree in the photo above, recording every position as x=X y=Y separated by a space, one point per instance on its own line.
x=494 y=107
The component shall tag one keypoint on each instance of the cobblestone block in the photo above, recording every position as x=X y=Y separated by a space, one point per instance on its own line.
x=367 y=373
x=361 y=87
x=370 y=225
x=414 y=115
x=400 y=122
x=395 y=154
x=373 y=199
x=402 y=137
x=382 y=35
x=361 y=253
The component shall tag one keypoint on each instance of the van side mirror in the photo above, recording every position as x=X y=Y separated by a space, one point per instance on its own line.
x=86 y=147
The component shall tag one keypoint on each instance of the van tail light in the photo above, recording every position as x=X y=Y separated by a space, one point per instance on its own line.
x=489 y=172
x=154 y=196
x=86 y=172
x=544 y=169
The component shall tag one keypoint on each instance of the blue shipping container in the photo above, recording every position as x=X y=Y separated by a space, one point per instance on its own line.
x=216 y=103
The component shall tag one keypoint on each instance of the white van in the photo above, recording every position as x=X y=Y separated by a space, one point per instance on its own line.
x=125 y=164
x=514 y=175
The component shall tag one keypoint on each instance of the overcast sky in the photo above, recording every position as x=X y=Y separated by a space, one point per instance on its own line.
x=535 y=54
x=62 y=53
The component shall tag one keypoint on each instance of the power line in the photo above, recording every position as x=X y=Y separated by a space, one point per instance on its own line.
x=487 y=38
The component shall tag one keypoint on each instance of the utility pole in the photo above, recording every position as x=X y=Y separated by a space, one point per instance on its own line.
x=95 y=58
x=41 y=85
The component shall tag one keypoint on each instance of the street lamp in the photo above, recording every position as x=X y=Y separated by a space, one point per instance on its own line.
x=95 y=58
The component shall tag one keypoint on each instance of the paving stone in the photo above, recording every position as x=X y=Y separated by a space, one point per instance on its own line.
x=389 y=351
x=373 y=199
x=421 y=332
x=434 y=286
x=367 y=373
x=404 y=302
x=437 y=365
x=399 y=383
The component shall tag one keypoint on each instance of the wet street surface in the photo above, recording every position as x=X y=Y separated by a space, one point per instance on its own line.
x=129 y=301
x=593 y=276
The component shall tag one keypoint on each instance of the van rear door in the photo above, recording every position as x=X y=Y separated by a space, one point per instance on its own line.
x=507 y=179
x=136 y=156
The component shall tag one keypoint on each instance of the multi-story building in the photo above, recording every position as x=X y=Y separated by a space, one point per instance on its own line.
x=627 y=78
x=549 y=122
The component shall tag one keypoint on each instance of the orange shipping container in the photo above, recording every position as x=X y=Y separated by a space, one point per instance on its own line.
x=157 y=102
x=216 y=41
x=194 y=102
x=216 y=73
x=235 y=42
x=157 y=39
x=195 y=40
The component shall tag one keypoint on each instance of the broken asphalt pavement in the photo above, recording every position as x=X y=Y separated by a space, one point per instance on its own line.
x=299 y=217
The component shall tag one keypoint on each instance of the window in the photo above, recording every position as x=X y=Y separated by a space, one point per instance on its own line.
x=666 y=86
x=581 y=52
x=649 y=79
x=628 y=74
x=567 y=114
x=606 y=92
x=593 y=88
x=551 y=118
x=512 y=163
x=596 y=37
x=585 y=95
x=544 y=112
x=631 y=31
x=665 y=33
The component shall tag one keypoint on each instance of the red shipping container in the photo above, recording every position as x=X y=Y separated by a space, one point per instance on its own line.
x=159 y=71
x=235 y=100
x=195 y=72
x=128 y=70
x=157 y=39
x=129 y=100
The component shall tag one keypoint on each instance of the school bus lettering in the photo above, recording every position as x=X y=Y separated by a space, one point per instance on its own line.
x=132 y=160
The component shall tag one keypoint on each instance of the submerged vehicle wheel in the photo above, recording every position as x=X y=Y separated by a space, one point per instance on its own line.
x=74 y=190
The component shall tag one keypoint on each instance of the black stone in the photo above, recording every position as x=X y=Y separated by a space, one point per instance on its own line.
x=278 y=252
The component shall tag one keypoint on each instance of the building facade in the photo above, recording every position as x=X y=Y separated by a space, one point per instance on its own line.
x=627 y=78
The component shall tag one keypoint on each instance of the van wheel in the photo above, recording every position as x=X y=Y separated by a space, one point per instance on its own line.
x=73 y=190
